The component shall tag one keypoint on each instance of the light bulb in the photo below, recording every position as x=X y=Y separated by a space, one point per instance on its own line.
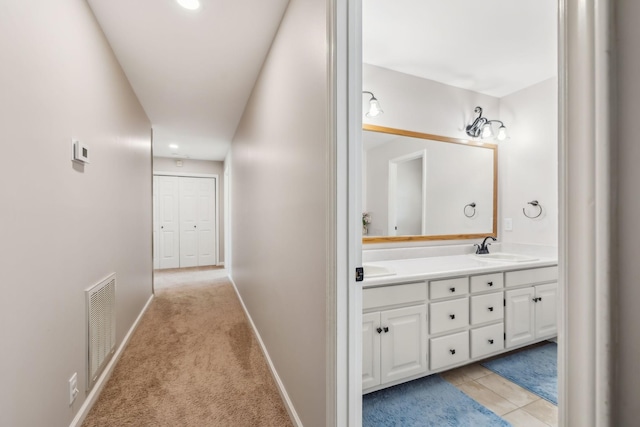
x=487 y=132
x=502 y=133
x=189 y=4
x=374 y=108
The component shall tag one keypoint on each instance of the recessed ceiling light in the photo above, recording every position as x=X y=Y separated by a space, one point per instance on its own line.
x=189 y=4
x=174 y=146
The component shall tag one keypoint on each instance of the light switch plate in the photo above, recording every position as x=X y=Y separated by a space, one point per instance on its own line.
x=507 y=224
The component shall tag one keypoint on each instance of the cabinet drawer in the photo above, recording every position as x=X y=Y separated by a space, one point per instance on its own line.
x=487 y=340
x=394 y=295
x=449 y=287
x=531 y=276
x=448 y=315
x=487 y=282
x=485 y=308
x=449 y=350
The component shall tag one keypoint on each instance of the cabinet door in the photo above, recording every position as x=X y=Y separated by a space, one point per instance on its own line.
x=403 y=348
x=188 y=222
x=168 y=218
x=370 y=350
x=156 y=226
x=520 y=316
x=546 y=310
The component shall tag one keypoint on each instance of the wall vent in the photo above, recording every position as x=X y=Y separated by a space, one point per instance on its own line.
x=101 y=321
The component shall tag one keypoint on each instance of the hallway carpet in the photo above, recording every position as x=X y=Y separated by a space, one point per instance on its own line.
x=193 y=361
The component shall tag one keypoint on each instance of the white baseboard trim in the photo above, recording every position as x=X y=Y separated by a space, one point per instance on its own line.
x=281 y=389
x=93 y=395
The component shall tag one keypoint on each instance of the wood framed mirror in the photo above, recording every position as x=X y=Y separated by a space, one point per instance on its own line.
x=419 y=186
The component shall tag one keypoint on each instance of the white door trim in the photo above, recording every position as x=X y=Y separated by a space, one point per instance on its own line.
x=217 y=199
x=585 y=374
x=393 y=189
x=187 y=174
x=344 y=254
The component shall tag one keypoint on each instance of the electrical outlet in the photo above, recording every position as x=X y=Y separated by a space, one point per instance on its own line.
x=73 y=388
x=508 y=224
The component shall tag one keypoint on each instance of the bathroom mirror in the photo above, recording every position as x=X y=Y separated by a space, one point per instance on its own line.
x=419 y=186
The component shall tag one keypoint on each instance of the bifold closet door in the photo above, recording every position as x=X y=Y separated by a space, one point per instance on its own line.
x=156 y=226
x=197 y=222
x=168 y=223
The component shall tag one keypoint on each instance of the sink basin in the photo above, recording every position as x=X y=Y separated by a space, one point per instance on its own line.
x=505 y=257
x=372 y=270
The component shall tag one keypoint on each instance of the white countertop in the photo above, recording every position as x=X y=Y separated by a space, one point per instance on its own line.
x=416 y=269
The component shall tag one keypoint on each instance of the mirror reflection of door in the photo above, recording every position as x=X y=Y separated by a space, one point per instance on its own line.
x=407 y=198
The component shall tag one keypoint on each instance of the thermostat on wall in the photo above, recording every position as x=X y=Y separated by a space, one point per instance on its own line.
x=80 y=152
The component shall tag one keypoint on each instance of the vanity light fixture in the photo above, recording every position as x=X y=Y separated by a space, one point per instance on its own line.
x=189 y=4
x=374 y=106
x=481 y=127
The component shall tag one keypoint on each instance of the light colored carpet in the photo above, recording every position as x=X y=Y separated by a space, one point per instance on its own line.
x=193 y=361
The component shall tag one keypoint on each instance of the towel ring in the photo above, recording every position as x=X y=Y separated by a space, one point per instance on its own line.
x=534 y=203
x=472 y=206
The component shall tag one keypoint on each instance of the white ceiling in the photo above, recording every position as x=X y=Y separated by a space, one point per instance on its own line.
x=494 y=47
x=193 y=72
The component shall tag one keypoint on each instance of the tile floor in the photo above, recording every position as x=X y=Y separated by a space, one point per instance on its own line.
x=510 y=401
x=513 y=403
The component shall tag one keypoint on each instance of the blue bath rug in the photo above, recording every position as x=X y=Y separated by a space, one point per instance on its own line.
x=535 y=369
x=425 y=402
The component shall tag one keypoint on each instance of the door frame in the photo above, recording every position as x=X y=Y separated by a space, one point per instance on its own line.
x=392 y=213
x=585 y=189
x=217 y=199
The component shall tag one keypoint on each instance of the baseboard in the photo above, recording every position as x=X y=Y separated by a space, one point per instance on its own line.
x=281 y=389
x=104 y=377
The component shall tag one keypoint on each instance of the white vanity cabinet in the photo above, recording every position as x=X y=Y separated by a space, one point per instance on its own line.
x=416 y=329
x=531 y=314
x=394 y=340
x=530 y=305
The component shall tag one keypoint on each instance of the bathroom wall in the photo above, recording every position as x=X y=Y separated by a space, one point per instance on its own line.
x=528 y=164
x=279 y=177
x=166 y=164
x=65 y=226
x=527 y=160
x=421 y=105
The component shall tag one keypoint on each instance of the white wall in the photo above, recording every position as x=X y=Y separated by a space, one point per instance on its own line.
x=166 y=164
x=627 y=374
x=421 y=105
x=64 y=227
x=527 y=161
x=279 y=178
x=528 y=164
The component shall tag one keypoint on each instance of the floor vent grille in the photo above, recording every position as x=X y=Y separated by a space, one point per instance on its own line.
x=101 y=318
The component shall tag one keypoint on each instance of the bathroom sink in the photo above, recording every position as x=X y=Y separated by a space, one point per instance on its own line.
x=505 y=257
x=372 y=270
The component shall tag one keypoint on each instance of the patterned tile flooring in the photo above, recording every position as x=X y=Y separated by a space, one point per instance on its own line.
x=508 y=400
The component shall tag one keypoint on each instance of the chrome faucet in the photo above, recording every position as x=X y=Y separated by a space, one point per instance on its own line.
x=483 y=248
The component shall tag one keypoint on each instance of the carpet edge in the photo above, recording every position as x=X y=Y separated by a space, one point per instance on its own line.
x=279 y=384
